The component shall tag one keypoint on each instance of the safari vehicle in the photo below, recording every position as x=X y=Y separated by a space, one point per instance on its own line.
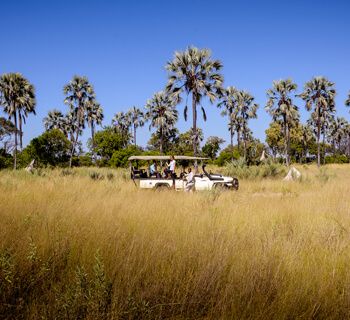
x=202 y=181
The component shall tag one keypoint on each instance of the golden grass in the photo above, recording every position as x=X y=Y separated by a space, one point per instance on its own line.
x=72 y=247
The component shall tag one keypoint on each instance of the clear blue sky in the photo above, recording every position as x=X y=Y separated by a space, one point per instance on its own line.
x=122 y=47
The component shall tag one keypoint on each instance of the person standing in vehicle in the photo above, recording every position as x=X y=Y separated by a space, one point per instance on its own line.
x=172 y=166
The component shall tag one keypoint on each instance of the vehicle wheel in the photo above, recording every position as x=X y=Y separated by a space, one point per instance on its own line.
x=235 y=183
x=162 y=187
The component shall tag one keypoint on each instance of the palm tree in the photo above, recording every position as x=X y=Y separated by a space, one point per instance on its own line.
x=194 y=72
x=347 y=101
x=282 y=109
x=337 y=130
x=136 y=117
x=121 y=121
x=70 y=126
x=94 y=116
x=347 y=138
x=161 y=112
x=229 y=102
x=247 y=110
x=306 y=138
x=18 y=99
x=319 y=94
x=54 y=120
x=79 y=92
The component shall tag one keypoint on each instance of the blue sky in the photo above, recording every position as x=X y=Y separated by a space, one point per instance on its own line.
x=123 y=46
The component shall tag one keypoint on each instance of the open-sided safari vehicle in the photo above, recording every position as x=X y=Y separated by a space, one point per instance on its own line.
x=202 y=181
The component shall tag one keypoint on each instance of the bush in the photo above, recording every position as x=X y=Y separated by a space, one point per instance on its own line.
x=226 y=155
x=107 y=141
x=6 y=160
x=82 y=161
x=337 y=158
x=120 y=157
x=50 y=148
x=241 y=170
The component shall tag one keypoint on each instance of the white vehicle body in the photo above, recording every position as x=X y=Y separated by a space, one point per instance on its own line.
x=202 y=182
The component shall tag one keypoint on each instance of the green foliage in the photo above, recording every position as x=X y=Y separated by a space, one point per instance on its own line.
x=254 y=149
x=82 y=161
x=337 y=158
x=226 y=155
x=6 y=160
x=7 y=128
x=241 y=170
x=107 y=141
x=274 y=138
x=50 y=148
x=184 y=144
x=212 y=147
x=120 y=158
x=302 y=142
x=170 y=139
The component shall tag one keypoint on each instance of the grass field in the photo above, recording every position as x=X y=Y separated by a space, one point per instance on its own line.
x=72 y=247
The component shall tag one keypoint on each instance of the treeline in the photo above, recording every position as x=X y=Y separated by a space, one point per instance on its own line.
x=193 y=75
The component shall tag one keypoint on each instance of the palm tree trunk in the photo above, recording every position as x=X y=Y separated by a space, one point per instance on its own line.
x=286 y=134
x=238 y=140
x=16 y=142
x=245 y=145
x=93 y=141
x=324 y=145
x=194 y=115
x=76 y=138
x=20 y=130
x=72 y=152
x=231 y=142
x=135 y=135
x=318 y=142
x=161 y=140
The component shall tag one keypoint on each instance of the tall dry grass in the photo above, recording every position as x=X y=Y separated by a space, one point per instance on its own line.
x=73 y=247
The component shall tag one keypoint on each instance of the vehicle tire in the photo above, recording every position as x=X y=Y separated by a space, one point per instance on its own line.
x=162 y=187
x=235 y=184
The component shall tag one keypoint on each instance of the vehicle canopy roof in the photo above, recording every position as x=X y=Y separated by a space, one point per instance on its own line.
x=160 y=158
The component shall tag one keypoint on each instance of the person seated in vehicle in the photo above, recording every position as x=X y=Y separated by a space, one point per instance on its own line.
x=153 y=170
x=189 y=186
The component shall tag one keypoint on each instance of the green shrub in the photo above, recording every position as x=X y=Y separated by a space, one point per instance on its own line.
x=120 y=157
x=226 y=156
x=6 y=160
x=241 y=170
x=337 y=158
x=50 y=148
x=82 y=161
